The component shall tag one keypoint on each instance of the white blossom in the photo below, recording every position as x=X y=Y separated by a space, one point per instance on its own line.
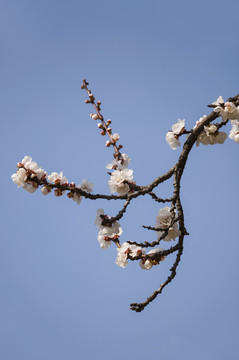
x=106 y=231
x=117 y=179
x=28 y=169
x=178 y=127
x=163 y=221
x=227 y=110
x=77 y=198
x=30 y=187
x=198 y=122
x=45 y=190
x=31 y=165
x=86 y=186
x=172 y=135
x=98 y=220
x=219 y=101
x=115 y=137
x=210 y=136
x=58 y=178
x=40 y=173
x=120 y=164
x=26 y=159
x=125 y=250
x=19 y=177
x=103 y=239
x=94 y=116
x=234 y=133
x=172 y=140
x=147 y=264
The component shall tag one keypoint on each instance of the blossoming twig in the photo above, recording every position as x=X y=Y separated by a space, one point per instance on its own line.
x=170 y=220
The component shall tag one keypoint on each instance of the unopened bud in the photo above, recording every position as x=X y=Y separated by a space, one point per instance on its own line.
x=100 y=126
x=45 y=190
x=70 y=195
x=108 y=122
x=58 y=192
x=108 y=143
x=94 y=116
x=103 y=132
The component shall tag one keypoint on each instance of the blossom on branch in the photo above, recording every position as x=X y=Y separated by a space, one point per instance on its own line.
x=86 y=186
x=28 y=174
x=108 y=229
x=58 y=178
x=210 y=136
x=234 y=133
x=147 y=264
x=118 y=181
x=227 y=110
x=119 y=164
x=125 y=251
x=164 y=221
x=172 y=135
x=170 y=220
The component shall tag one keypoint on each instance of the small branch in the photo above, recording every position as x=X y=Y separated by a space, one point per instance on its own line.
x=138 y=307
x=121 y=212
x=100 y=117
x=160 y=200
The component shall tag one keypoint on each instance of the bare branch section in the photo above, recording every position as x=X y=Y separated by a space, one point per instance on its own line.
x=170 y=225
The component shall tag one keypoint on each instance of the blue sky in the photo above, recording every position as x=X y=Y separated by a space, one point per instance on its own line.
x=150 y=63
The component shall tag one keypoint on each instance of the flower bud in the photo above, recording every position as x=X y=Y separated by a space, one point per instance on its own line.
x=58 y=192
x=116 y=137
x=94 y=116
x=45 y=190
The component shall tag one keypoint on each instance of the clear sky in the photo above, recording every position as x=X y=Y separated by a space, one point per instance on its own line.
x=150 y=63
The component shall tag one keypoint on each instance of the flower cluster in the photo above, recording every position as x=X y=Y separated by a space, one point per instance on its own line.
x=210 y=136
x=108 y=230
x=170 y=220
x=148 y=262
x=85 y=186
x=119 y=164
x=27 y=174
x=227 y=110
x=121 y=177
x=119 y=181
x=172 y=135
x=125 y=251
x=30 y=176
x=165 y=222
